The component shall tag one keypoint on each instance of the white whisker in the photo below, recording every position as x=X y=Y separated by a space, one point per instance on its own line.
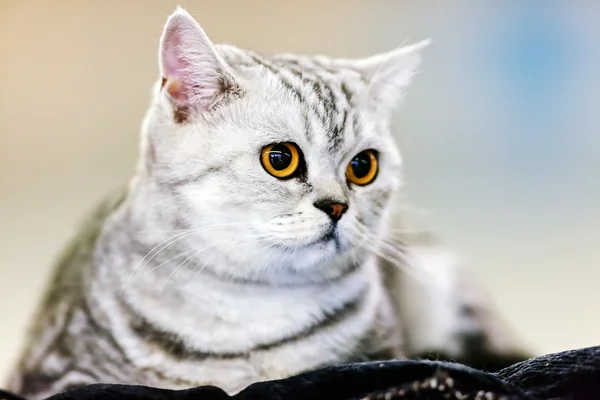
x=177 y=236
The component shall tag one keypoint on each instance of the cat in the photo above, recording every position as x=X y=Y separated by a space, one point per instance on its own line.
x=258 y=238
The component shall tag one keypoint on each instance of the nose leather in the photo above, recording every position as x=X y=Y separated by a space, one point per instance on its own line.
x=334 y=209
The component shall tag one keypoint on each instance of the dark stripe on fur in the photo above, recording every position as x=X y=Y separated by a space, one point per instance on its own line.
x=333 y=98
x=103 y=333
x=172 y=344
x=334 y=317
x=36 y=382
x=286 y=83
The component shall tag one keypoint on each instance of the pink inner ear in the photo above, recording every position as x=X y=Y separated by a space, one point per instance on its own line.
x=171 y=60
x=174 y=65
x=193 y=75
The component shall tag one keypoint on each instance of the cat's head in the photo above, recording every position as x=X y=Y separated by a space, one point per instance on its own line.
x=285 y=165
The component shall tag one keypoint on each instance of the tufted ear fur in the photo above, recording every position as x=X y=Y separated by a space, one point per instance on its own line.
x=389 y=73
x=193 y=73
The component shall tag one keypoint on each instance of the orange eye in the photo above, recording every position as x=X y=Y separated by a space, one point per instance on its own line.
x=363 y=168
x=280 y=160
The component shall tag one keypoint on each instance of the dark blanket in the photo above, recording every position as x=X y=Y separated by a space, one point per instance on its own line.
x=572 y=375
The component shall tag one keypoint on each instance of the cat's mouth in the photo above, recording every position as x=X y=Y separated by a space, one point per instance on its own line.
x=328 y=236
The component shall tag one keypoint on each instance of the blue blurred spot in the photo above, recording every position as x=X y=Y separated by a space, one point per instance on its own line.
x=531 y=61
x=534 y=62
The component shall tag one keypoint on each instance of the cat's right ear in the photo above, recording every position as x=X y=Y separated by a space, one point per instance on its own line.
x=194 y=76
x=390 y=73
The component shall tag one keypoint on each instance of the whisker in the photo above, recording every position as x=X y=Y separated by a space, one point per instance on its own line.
x=200 y=250
x=177 y=236
x=186 y=233
x=257 y=239
x=196 y=231
x=189 y=259
x=170 y=259
x=397 y=257
x=197 y=251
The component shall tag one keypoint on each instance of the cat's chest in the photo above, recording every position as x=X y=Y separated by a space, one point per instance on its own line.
x=236 y=340
x=365 y=331
x=281 y=361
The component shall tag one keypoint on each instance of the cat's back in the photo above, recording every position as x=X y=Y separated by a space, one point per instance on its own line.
x=66 y=278
x=63 y=291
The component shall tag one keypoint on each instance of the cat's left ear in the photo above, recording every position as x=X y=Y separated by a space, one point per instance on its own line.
x=390 y=73
x=194 y=75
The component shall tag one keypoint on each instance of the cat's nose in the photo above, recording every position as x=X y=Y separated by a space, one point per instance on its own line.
x=334 y=209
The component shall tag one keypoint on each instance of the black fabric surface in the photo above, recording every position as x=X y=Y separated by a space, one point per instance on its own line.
x=572 y=375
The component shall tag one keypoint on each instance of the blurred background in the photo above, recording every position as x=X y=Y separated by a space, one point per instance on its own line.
x=500 y=132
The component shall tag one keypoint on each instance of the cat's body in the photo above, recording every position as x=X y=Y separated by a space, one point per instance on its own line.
x=210 y=269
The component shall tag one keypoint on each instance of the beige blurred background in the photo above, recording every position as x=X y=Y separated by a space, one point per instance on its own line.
x=512 y=179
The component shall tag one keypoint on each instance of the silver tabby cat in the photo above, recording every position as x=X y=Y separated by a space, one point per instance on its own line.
x=257 y=239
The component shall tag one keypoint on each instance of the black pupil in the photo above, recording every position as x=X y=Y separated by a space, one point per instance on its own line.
x=361 y=165
x=280 y=157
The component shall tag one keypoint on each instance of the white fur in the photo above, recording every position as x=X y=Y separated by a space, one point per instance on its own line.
x=266 y=114
x=213 y=250
x=252 y=226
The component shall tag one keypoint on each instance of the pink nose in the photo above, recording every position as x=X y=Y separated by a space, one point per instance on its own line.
x=332 y=208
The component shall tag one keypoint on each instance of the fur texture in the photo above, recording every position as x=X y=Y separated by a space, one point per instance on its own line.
x=208 y=270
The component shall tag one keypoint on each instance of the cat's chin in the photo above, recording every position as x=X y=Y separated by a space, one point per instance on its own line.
x=328 y=240
x=326 y=255
x=325 y=240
